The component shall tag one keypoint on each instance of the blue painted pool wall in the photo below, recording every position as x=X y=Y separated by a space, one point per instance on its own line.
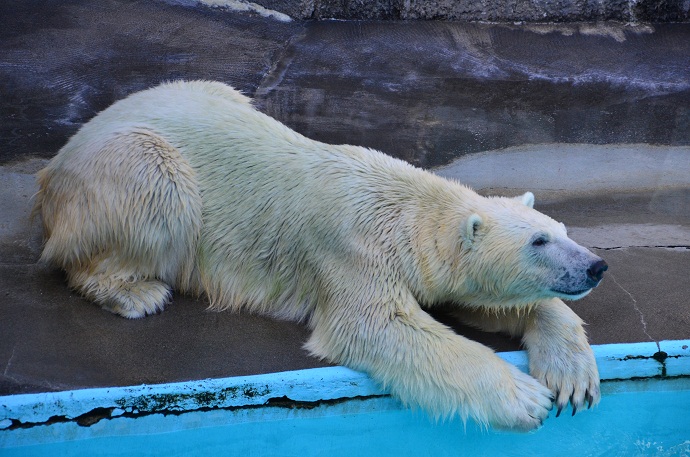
x=615 y=362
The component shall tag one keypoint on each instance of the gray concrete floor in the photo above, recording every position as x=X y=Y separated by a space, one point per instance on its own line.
x=594 y=118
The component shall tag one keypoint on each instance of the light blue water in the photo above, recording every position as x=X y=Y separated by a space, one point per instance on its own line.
x=635 y=418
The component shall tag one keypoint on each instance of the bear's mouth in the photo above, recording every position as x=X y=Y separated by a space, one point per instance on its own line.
x=572 y=293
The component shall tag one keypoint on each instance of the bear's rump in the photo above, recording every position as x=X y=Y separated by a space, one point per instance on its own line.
x=131 y=198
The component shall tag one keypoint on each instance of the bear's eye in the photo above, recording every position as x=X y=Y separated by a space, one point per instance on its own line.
x=540 y=241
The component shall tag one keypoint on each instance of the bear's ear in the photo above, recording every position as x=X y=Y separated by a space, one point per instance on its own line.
x=526 y=199
x=471 y=226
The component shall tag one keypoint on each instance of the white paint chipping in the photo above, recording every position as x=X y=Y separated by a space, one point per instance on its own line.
x=614 y=30
x=238 y=5
x=615 y=361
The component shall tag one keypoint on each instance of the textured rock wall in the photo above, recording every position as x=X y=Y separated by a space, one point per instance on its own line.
x=487 y=10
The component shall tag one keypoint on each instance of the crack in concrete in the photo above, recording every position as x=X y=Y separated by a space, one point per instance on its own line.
x=5 y=373
x=637 y=309
x=670 y=246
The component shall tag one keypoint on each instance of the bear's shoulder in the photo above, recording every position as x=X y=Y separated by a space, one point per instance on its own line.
x=212 y=88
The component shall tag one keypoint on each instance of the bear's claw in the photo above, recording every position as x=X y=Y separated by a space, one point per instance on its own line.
x=590 y=397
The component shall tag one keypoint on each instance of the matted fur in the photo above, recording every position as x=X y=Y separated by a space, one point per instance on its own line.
x=187 y=186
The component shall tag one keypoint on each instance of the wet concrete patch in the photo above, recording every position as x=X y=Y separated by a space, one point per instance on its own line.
x=662 y=207
x=20 y=236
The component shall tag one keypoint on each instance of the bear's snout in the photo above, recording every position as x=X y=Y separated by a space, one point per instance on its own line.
x=580 y=270
x=596 y=271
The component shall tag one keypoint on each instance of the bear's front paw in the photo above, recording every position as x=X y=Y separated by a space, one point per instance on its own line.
x=560 y=356
x=520 y=405
x=570 y=372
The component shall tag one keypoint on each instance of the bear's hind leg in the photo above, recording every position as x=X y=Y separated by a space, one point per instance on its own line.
x=125 y=294
x=122 y=217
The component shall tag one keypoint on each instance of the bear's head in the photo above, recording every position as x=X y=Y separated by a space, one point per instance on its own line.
x=517 y=255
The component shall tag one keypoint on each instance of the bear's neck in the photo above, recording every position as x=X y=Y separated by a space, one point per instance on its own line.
x=433 y=217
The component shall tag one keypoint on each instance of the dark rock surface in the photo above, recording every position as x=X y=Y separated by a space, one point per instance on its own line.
x=423 y=91
x=484 y=10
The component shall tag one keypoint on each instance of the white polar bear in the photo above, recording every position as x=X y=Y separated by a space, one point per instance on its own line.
x=187 y=186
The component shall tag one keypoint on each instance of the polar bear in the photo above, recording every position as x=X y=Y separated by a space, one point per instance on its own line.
x=187 y=186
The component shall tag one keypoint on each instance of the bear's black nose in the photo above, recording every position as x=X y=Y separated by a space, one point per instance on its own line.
x=596 y=270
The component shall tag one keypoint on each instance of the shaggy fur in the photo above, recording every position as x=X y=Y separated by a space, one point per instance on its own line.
x=187 y=186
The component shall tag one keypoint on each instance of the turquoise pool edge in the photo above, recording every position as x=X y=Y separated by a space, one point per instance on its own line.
x=665 y=360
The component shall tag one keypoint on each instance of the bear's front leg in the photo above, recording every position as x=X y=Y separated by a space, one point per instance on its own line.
x=559 y=354
x=423 y=362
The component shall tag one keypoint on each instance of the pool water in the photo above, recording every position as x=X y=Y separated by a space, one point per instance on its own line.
x=635 y=418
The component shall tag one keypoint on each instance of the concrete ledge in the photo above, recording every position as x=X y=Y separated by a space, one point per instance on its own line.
x=557 y=171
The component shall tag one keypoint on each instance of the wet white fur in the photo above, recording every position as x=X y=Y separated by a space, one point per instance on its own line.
x=187 y=186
